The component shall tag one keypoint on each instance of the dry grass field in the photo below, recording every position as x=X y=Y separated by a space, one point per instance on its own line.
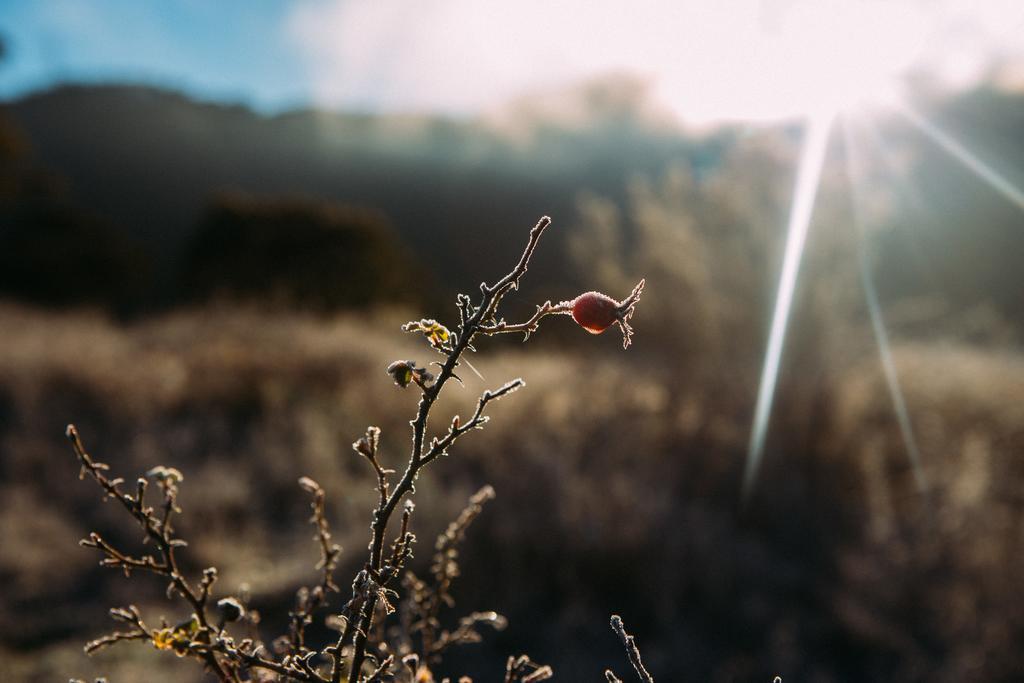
x=617 y=479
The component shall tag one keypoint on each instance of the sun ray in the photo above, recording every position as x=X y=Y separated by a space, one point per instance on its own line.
x=870 y=138
x=877 y=151
x=808 y=178
x=963 y=155
x=855 y=174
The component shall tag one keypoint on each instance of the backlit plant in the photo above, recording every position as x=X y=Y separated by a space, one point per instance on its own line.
x=364 y=650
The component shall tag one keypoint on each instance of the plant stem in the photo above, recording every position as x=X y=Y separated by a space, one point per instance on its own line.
x=491 y=297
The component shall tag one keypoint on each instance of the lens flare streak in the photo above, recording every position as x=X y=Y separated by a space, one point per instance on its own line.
x=855 y=173
x=964 y=156
x=808 y=178
x=889 y=369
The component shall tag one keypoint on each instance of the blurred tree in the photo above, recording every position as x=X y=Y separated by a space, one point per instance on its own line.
x=304 y=253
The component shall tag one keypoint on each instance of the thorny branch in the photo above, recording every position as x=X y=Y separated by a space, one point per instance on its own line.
x=472 y=322
x=457 y=429
x=371 y=595
x=157 y=530
x=197 y=636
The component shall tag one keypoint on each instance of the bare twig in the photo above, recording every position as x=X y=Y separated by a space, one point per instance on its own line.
x=361 y=620
x=522 y=669
x=473 y=318
x=159 y=531
x=457 y=428
x=425 y=601
x=531 y=325
x=309 y=600
x=129 y=615
x=631 y=650
x=383 y=670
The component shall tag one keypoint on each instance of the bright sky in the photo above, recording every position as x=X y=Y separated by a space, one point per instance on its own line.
x=708 y=60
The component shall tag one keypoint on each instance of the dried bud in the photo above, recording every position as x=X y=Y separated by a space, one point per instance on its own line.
x=230 y=609
x=401 y=372
x=166 y=475
x=405 y=371
x=366 y=446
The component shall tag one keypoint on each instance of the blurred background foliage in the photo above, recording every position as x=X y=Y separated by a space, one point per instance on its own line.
x=303 y=254
x=203 y=286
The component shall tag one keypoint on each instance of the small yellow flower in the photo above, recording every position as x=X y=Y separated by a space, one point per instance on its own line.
x=162 y=639
x=177 y=638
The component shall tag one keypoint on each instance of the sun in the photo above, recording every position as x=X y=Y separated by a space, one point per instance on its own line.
x=801 y=59
x=842 y=56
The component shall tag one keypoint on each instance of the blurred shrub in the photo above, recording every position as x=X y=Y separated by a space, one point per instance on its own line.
x=711 y=246
x=684 y=242
x=53 y=253
x=627 y=500
x=303 y=253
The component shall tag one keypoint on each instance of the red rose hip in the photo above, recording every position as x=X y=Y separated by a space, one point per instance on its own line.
x=595 y=312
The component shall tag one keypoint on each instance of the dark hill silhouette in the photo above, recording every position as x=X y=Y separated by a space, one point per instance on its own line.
x=148 y=162
x=457 y=192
